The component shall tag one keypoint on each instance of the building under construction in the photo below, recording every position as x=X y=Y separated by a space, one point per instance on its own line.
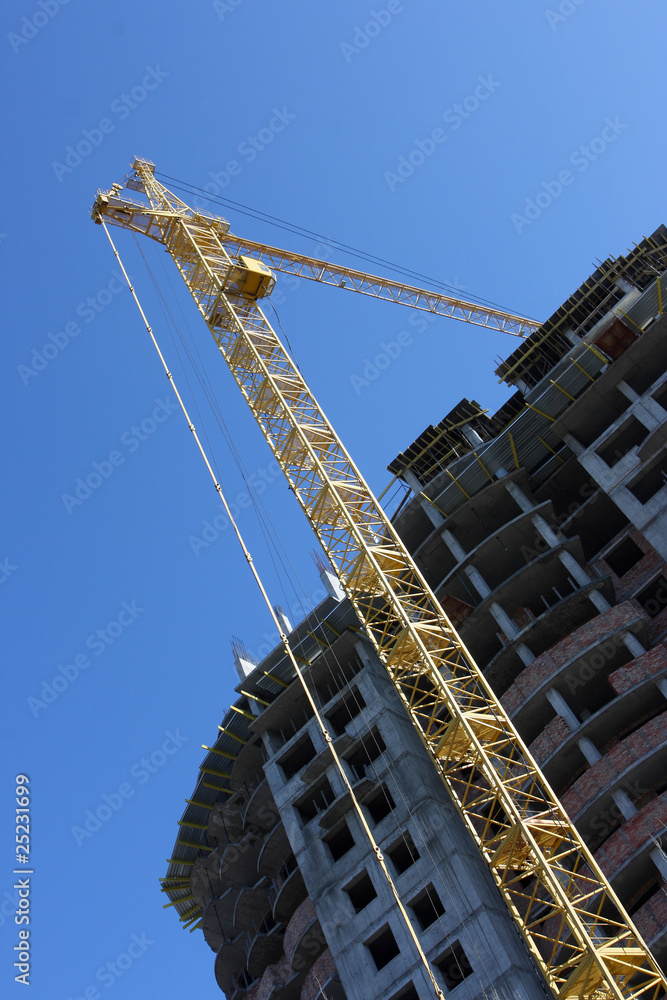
x=542 y=531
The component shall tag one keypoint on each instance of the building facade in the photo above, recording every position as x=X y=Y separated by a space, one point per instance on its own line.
x=543 y=532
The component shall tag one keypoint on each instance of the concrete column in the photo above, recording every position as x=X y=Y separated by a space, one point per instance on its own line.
x=624 y=803
x=627 y=391
x=332 y=584
x=504 y=620
x=543 y=529
x=599 y=601
x=573 y=568
x=662 y=686
x=453 y=545
x=562 y=708
x=589 y=750
x=632 y=644
x=573 y=444
x=478 y=581
x=434 y=516
x=519 y=496
x=659 y=859
x=525 y=654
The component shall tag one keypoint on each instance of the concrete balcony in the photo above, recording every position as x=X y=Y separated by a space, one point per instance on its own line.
x=291 y=890
x=624 y=857
x=260 y=813
x=218 y=920
x=266 y=947
x=238 y=863
x=543 y=631
x=279 y=982
x=630 y=766
x=556 y=749
x=205 y=879
x=578 y=667
x=303 y=937
x=229 y=961
x=275 y=850
x=322 y=980
x=252 y=905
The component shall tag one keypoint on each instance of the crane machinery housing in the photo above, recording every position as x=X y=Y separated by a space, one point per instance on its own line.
x=580 y=939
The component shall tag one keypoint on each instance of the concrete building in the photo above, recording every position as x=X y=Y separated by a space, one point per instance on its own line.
x=543 y=531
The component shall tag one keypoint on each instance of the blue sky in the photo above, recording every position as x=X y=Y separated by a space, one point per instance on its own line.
x=559 y=106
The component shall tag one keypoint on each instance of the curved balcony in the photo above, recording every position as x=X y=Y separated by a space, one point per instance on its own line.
x=330 y=816
x=303 y=936
x=218 y=920
x=493 y=556
x=631 y=766
x=624 y=856
x=275 y=849
x=225 y=824
x=261 y=812
x=247 y=767
x=205 y=879
x=252 y=905
x=556 y=748
x=229 y=962
x=577 y=666
x=238 y=862
x=322 y=980
x=545 y=630
x=279 y=982
x=527 y=587
x=266 y=947
x=291 y=892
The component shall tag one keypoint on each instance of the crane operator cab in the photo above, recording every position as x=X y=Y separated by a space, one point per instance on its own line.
x=250 y=278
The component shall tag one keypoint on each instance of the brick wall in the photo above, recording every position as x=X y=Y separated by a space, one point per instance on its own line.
x=635 y=833
x=550 y=662
x=301 y=920
x=615 y=763
x=551 y=737
x=651 y=918
x=321 y=972
x=648 y=665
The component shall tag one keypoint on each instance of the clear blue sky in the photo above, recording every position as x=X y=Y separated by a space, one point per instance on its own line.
x=579 y=92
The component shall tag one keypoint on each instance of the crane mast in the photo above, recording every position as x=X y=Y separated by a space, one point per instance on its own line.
x=571 y=920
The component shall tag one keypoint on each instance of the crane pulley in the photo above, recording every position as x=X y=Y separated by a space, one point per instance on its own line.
x=571 y=920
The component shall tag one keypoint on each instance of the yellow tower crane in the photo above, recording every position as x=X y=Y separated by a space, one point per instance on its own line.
x=571 y=920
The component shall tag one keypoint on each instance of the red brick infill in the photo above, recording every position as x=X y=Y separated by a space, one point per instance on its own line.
x=323 y=969
x=616 y=762
x=552 y=736
x=636 y=833
x=648 y=665
x=573 y=645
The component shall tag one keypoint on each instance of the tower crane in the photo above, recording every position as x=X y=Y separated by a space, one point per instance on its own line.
x=572 y=922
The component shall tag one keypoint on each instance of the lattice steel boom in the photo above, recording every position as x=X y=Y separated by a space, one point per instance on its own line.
x=570 y=918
